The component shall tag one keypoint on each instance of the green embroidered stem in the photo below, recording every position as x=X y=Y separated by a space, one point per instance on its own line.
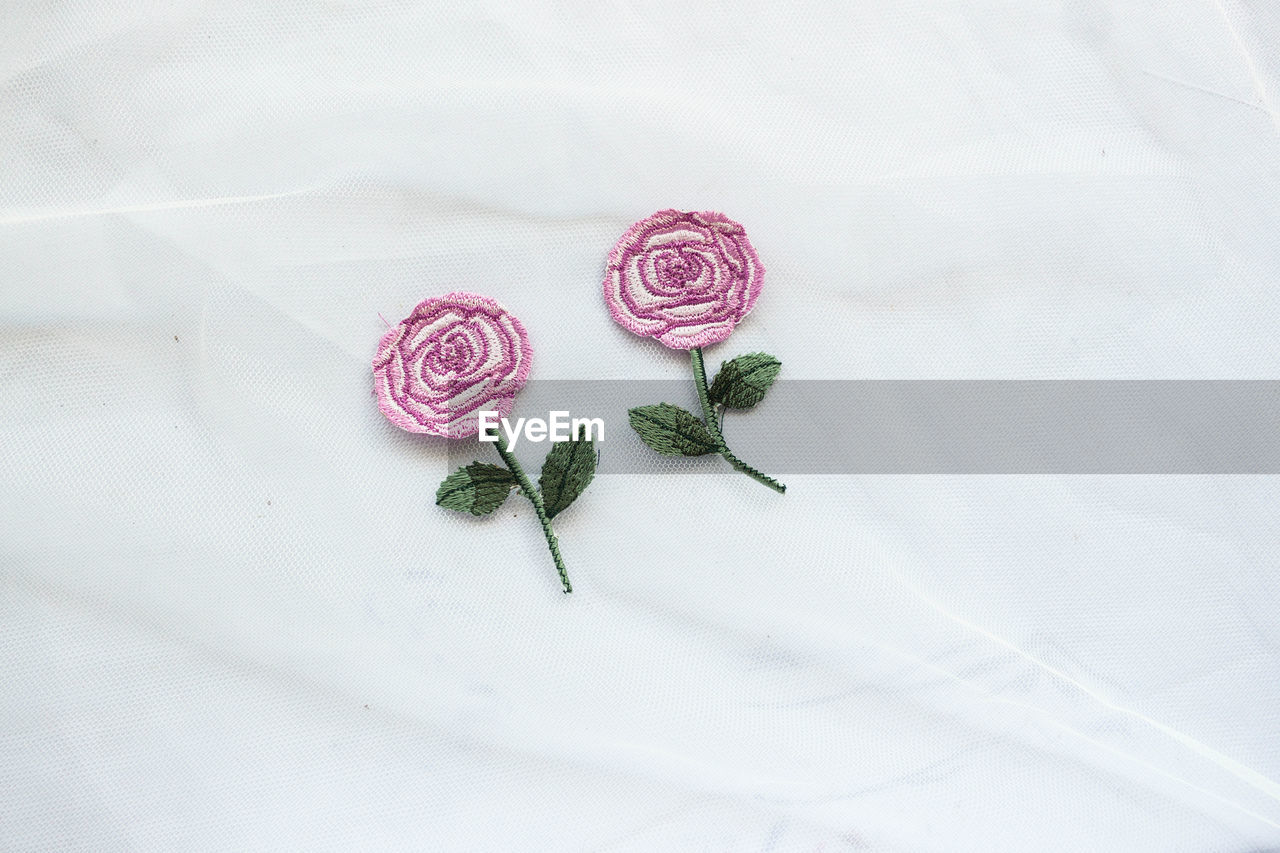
x=709 y=415
x=535 y=498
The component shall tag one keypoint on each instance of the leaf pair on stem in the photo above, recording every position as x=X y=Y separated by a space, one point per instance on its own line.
x=740 y=384
x=480 y=488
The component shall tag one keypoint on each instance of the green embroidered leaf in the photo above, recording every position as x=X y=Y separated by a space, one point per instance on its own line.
x=742 y=382
x=568 y=469
x=478 y=488
x=671 y=430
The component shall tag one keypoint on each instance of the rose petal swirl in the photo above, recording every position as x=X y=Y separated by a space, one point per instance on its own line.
x=683 y=278
x=452 y=357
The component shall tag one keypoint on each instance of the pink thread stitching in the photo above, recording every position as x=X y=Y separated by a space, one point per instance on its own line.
x=684 y=278
x=451 y=357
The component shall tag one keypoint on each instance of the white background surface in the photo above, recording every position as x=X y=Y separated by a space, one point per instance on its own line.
x=231 y=617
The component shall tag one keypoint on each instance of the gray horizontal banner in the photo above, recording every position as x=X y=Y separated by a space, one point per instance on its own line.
x=943 y=426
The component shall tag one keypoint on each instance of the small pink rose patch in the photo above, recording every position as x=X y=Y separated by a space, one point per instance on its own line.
x=452 y=357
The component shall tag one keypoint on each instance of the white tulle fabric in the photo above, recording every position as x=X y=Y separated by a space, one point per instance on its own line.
x=231 y=617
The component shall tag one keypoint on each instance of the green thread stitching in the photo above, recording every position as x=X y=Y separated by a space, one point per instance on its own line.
x=709 y=415
x=743 y=381
x=566 y=473
x=672 y=431
x=527 y=489
x=478 y=488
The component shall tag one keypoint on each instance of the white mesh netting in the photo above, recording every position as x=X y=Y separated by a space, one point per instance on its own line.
x=232 y=618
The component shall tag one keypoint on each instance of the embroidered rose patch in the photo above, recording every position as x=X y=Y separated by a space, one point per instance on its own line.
x=687 y=279
x=452 y=358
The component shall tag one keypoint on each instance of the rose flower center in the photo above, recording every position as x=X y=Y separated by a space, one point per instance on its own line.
x=679 y=269
x=452 y=355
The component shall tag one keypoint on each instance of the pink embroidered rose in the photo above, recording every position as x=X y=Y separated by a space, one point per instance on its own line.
x=683 y=278
x=454 y=356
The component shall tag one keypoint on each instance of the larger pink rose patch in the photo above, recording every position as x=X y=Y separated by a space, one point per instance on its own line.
x=683 y=278
x=687 y=279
